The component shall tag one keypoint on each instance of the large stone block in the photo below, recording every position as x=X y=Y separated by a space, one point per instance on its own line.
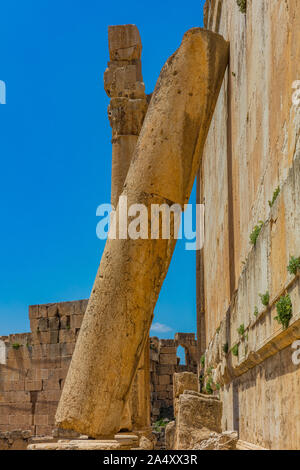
x=184 y=381
x=170 y=435
x=126 y=116
x=124 y=42
x=197 y=417
x=169 y=359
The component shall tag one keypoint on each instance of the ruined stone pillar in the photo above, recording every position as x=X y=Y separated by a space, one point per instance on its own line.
x=123 y=83
x=117 y=321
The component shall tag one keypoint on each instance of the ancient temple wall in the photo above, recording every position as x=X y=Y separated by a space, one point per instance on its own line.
x=265 y=399
x=253 y=147
x=33 y=367
x=36 y=365
x=251 y=143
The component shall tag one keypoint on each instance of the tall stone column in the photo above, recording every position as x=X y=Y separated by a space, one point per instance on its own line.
x=118 y=317
x=123 y=83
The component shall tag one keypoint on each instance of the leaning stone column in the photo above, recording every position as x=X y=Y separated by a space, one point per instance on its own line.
x=123 y=83
x=162 y=171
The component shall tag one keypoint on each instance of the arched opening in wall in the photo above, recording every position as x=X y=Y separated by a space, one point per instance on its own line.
x=180 y=353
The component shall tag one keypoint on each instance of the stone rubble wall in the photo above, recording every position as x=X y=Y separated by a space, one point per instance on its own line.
x=33 y=367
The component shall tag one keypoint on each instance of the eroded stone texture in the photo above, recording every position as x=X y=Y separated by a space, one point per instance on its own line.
x=128 y=106
x=170 y=435
x=120 y=310
x=253 y=148
x=181 y=382
x=224 y=441
x=197 y=417
x=123 y=83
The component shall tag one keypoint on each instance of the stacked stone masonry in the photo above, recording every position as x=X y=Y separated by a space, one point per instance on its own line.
x=163 y=364
x=253 y=148
x=33 y=367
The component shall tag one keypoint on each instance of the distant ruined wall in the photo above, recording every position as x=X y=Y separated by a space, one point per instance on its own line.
x=252 y=148
x=32 y=376
x=164 y=362
x=33 y=367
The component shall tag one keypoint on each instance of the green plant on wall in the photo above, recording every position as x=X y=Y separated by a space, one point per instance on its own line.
x=265 y=298
x=16 y=345
x=294 y=265
x=202 y=360
x=161 y=423
x=235 y=350
x=275 y=196
x=241 y=329
x=255 y=232
x=225 y=348
x=242 y=4
x=208 y=386
x=284 y=309
x=256 y=312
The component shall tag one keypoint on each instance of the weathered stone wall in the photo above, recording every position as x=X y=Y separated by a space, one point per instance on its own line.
x=33 y=367
x=36 y=364
x=253 y=147
x=163 y=364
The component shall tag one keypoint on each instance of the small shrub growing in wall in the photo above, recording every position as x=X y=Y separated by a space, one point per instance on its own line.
x=255 y=232
x=242 y=4
x=235 y=350
x=265 y=298
x=16 y=345
x=275 y=196
x=208 y=387
x=284 y=309
x=241 y=329
x=161 y=423
x=294 y=265
x=256 y=312
x=202 y=360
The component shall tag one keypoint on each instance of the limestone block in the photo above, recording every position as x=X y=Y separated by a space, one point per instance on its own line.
x=147 y=443
x=198 y=416
x=184 y=381
x=124 y=42
x=35 y=385
x=170 y=435
x=225 y=441
x=168 y=350
x=164 y=379
x=169 y=359
x=120 y=310
x=126 y=116
x=43 y=324
x=124 y=81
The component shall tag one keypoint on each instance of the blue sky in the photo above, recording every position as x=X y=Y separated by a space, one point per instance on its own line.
x=56 y=152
